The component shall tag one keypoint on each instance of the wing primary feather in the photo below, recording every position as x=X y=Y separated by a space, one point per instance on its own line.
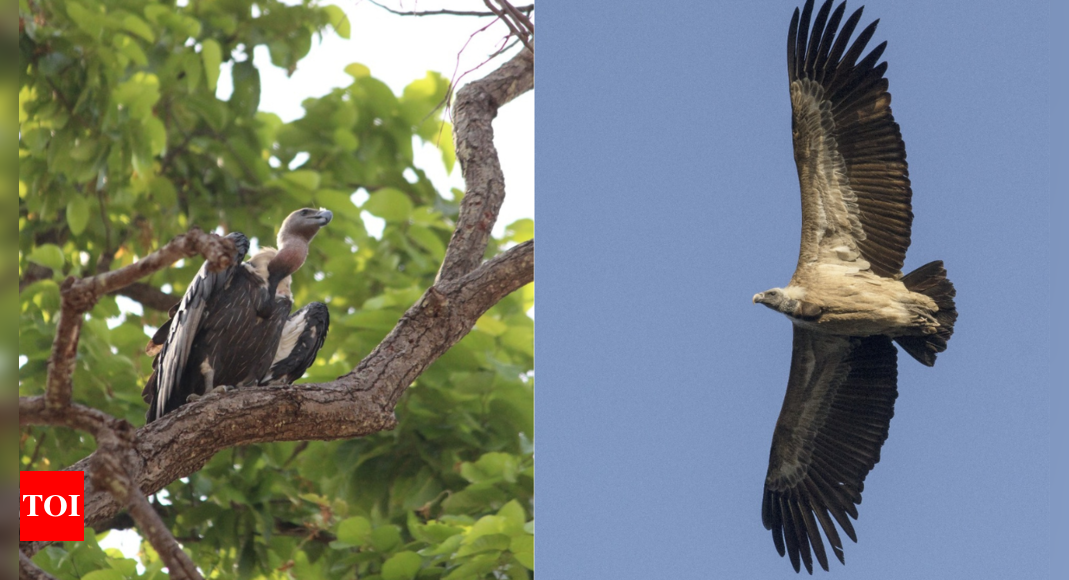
x=811 y=51
x=789 y=533
x=803 y=40
x=792 y=48
x=800 y=531
x=814 y=535
x=821 y=65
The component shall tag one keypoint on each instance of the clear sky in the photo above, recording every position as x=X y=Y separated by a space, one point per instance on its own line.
x=668 y=196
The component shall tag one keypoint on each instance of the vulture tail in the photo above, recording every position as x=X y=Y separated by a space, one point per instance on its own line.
x=931 y=280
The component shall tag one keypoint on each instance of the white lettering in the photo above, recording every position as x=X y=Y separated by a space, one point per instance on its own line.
x=74 y=505
x=33 y=503
x=62 y=502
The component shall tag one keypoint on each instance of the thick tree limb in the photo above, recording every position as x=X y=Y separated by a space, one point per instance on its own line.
x=475 y=108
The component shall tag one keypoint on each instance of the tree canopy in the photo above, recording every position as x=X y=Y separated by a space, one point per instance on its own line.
x=124 y=145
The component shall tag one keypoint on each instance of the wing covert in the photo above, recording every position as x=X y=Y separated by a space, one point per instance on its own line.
x=856 y=195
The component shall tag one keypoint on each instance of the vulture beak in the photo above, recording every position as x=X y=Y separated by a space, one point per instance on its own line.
x=324 y=216
x=759 y=297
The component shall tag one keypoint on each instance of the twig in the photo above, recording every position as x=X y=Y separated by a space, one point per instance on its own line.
x=506 y=17
x=445 y=12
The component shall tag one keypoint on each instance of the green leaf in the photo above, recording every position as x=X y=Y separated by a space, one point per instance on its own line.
x=357 y=70
x=77 y=215
x=428 y=240
x=338 y=20
x=246 y=96
x=91 y=21
x=386 y=538
x=485 y=543
x=522 y=548
x=490 y=325
x=389 y=204
x=212 y=56
x=520 y=230
x=305 y=179
x=48 y=255
x=514 y=517
x=402 y=566
x=139 y=27
x=104 y=575
x=155 y=134
x=354 y=531
x=475 y=568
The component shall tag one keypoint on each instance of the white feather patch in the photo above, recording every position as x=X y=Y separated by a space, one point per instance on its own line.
x=290 y=333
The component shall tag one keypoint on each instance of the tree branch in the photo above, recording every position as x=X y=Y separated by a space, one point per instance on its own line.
x=475 y=108
x=79 y=296
x=29 y=571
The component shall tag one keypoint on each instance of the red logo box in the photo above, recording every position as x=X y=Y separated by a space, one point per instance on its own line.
x=51 y=506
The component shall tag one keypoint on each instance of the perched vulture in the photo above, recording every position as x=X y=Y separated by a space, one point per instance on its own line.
x=233 y=327
x=848 y=299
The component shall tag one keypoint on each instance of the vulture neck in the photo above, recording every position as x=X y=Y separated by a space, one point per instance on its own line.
x=292 y=251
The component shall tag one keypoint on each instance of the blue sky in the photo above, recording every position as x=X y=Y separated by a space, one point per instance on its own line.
x=667 y=196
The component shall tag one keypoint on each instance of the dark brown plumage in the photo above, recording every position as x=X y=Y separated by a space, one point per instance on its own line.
x=226 y=329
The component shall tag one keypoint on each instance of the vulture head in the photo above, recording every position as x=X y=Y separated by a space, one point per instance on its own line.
x=293 y=238
x=780 y=300
x=303 y=224
x=774 y=299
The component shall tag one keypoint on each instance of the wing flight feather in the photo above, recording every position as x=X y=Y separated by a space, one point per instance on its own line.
x=835 y=417
x=182 y=329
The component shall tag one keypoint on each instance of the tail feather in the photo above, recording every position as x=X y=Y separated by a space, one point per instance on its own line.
x=931 y=280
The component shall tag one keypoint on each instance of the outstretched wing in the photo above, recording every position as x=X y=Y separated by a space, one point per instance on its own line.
x=849 y=151
x=162 y=392
x=302 y=337
x=835 y=416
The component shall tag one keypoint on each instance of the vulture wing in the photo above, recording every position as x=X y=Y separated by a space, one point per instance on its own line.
x=302 y=337
x=835 y=416
x=160 y=391
x=849 y=151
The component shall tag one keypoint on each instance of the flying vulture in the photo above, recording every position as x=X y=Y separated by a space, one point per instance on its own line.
x=233 y=327
x=848 y=299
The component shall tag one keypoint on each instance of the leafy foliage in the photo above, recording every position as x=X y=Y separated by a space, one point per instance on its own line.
x=124 y=144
